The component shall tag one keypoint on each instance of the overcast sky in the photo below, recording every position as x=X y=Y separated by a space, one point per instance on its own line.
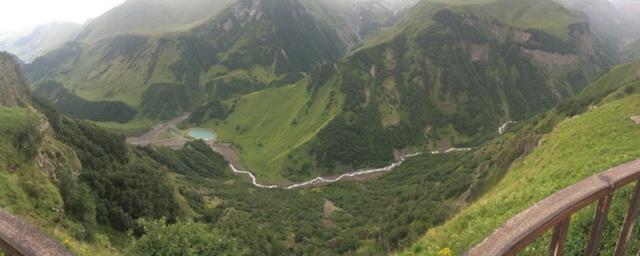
x=22 y=14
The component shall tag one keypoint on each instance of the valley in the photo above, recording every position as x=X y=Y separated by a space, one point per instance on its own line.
x=167 y=134
x=315 y=127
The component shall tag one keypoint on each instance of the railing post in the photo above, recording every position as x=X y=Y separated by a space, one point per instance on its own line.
x=559 y=238
x=629 y=220
x=599 y=223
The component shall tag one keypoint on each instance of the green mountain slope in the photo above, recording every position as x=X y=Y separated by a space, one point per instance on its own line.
x=266 y=139
x=252 y=45
x=618 y=76
x=575 y=148
x=453 y=82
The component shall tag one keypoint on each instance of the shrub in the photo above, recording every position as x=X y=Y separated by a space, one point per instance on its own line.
x=182 y=238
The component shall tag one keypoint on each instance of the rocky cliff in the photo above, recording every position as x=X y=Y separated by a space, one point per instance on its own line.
x=13 y=86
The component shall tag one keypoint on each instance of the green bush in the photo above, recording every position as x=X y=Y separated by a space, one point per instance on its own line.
x=182 y=238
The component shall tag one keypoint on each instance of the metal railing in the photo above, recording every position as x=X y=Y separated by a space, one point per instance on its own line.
x=555 y=213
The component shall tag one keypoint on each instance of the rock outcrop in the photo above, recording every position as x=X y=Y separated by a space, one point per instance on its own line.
x=13 y=85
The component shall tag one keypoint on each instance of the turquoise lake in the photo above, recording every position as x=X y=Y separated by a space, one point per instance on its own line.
x=201 y=134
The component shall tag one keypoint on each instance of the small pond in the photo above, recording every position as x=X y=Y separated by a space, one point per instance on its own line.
x=201 y=134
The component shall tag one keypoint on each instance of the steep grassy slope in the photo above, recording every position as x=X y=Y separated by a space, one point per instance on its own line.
x=617 y=77
x=119 y=69
x=577 y=148
x=77 y=107
x=268 y=125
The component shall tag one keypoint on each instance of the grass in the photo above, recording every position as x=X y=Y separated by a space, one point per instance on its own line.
x=15 y=119
x=578 y=148
x=267 y=125
x=20 y=181
x=123 y=78
x=28 y=192
x=618 y=76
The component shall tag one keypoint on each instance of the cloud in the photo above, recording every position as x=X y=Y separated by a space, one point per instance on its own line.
x=21 y=14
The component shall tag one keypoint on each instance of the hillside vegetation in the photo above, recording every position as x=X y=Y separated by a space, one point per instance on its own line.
x=619 y=76
x=578 y=147
x=454 y=80
x=267 y=126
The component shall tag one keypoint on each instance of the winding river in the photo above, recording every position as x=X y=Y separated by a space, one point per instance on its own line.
x=323 y=180
x=154 y=137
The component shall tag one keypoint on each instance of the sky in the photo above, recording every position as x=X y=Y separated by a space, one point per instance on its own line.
x=24 y=14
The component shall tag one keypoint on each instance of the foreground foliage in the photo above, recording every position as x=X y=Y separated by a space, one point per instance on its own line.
x=182 y=238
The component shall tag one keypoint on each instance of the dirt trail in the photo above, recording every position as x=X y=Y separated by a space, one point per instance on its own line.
x=157 y=134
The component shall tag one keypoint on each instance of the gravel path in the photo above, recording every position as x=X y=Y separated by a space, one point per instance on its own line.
x=156 y=135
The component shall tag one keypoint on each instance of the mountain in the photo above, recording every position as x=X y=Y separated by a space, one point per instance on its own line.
x=13 y=86
x=151 y=17
x=43 y=39
x=303 y=88
x=86 y=188
x=444 y=76
x=252 y=45
x=608 y=19
x=602 y=119
x=355 y=20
